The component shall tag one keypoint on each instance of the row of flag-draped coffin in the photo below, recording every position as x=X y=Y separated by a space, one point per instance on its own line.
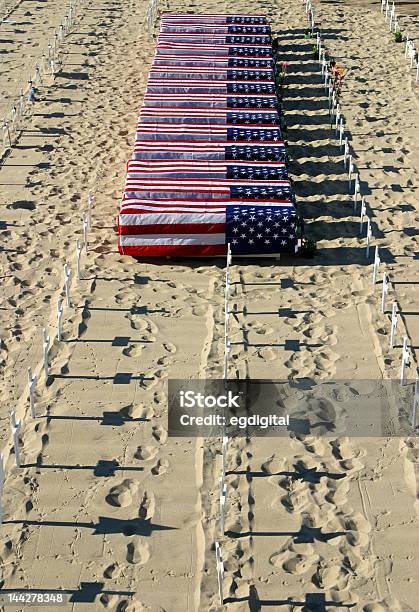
x=209 y=166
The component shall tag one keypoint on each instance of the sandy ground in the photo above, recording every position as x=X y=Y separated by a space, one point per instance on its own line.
x=24 y=37
x=106 y=505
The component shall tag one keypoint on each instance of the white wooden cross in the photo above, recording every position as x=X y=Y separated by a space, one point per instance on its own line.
x=384 y=292
x=406 y=46
x=16 y=428
x=85 y=228
x=78 y=254
x=90 y=202
x=356 y=191
x=345 y=152
x=337 y=118
x=67 y=284
x=393 y=328
x=405 y=359
x=31 y=389
x=223 y=496
x=224 y=455
x=415 y=405
x=59 y=319
x=363 y=214
x=226 y=321
x=2 y=476
x=350 y=171
x=220 y=572
x=341 y=132
x=226 y=354
x=369 y=236
x=392 y=15
x=45 y=348
x=377 y=262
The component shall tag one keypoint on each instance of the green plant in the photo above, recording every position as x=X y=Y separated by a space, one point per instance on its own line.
x=308 y=248
x=315 y=51
x=398 y=37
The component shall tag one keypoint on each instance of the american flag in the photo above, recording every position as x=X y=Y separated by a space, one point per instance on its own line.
x=256 y=229
x=196 y=101
x=209 y=133
x=150 y=227
x=185 y=48
x=167 y=168
x=173 y=149
x=209 y=165
x=212 y=116
x=222 y=18
x=217 y=29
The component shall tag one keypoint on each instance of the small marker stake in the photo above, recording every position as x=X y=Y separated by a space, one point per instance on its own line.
x=394 y=317
x=15 y=427
x=31 y=389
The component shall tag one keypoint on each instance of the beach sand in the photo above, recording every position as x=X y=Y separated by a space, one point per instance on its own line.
x=106 y=506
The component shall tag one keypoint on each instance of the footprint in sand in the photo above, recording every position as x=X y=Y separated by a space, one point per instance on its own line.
x=163 y=361
x=267 y=354
x=112 y=571
x=133 y=350
x=298 y=499
x=199 y=311
x=295 y=559
x=385 y=605
x=147 y=506
x=137 y=552
x=342 y=449
x=137 y=411
x=121 y=495
x=146 y=453
x=273 y=465
x=314 y=445
x=169 y=347
x=143 y=325
x=327 y=577
x=159 y=433
x=160 y=468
